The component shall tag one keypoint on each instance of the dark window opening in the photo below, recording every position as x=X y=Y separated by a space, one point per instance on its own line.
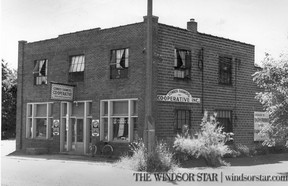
x=225 y=70
x=182 y=64
x=119 y=63
x=76 y=70
x=224 y=117
x=40 y=72
x=182 y=120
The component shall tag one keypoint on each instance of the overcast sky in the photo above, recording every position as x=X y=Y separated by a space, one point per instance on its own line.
x=263 y=23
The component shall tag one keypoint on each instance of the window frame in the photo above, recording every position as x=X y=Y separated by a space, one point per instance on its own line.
x=176 y=112
x=225 y=76
x=31 y=125
x=183 y=71
x=117 y=71
x=78 y=75
x=132 y=134
x=39 y=78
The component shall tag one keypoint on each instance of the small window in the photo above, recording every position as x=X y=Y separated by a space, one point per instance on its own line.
x=182 y=120
x=40 y=72
x=182 y=63
x=224 y=117
x=76 y=70
x=225 y=70
x=119 y=62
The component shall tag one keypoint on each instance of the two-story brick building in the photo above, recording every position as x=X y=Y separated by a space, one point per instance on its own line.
x=79 y=79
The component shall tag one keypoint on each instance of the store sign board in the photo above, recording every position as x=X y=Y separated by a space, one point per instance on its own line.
x=62 y=92
x=261 y=119
x=178 y=95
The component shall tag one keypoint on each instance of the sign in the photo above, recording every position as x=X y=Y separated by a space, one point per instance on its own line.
x=261 y=119
x=95 y=127
x=62 y=92
x=178 y=95
x=55 y=127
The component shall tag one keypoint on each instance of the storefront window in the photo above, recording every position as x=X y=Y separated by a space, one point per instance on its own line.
x=119 y=120
x=39 y=121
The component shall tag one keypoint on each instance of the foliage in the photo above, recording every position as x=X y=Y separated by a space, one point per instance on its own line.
x=208 y=143
x=160 y=160
x=273 y=79
x=9 y=96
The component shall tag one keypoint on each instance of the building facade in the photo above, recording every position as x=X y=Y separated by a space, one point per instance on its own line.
x=77 y=83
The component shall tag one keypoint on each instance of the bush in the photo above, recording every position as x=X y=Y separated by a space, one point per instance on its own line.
x=160 y=160
x=208 y=144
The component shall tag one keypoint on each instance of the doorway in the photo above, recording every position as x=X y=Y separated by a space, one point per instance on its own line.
x=77 y=135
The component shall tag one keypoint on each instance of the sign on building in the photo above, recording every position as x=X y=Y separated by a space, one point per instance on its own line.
x=261 y=119
x=62 y=92
x=178 y=95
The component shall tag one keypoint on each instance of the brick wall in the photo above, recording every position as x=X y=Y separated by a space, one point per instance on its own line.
x=96 y=46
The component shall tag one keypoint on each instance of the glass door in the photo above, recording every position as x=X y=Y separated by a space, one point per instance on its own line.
x=77 y=135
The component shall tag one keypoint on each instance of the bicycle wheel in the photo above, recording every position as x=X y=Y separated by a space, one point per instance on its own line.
x=107 y=150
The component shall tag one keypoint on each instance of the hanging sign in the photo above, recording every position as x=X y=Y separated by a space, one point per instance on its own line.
x=261 y=120
x=61 y=91
x=55 y=127
x=178 y=95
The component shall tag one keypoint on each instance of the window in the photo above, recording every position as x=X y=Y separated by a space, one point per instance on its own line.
x=182 y=119
x=225 y=70
x=119 y=62
x=182 y=63
x=119 y=120
x=40 y=72
x=224 y=117
x=76 y=70
x=39 y=121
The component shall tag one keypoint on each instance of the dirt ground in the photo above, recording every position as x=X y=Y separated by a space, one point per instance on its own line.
x=74 y=170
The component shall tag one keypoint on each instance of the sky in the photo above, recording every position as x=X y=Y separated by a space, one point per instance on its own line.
x=263 y=23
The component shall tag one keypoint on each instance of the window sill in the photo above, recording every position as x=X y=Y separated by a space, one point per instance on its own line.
x=40 y=139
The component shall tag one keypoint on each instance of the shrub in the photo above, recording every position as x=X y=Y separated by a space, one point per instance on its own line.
x=160 y=160
x=208 y=144
x=243 y=150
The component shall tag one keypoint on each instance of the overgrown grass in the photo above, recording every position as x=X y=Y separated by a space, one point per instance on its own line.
x=208 y=143
x=159 y=160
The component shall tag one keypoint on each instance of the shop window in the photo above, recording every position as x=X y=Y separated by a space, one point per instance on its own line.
x=182 y=64
x=76 y=70
x=182 y=120
x=224 y=117
x=119 y=62
x=225 y=70
x=39 y=121
x=119 y=119
x=40 y=72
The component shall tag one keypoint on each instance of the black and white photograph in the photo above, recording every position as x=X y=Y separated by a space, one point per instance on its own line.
x=144 y=92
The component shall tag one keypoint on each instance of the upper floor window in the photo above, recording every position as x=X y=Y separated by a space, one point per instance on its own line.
x=224 y=117
x=119 y=62
x=225 y=70
x=40 y=71
x=182 y=120
x=76 y=70
x=182 y=63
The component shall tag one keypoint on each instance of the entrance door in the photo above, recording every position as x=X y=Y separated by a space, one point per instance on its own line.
x=77 y=135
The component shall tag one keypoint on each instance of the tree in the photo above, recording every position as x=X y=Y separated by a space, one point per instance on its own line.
x=273 y=80
x=9 y=96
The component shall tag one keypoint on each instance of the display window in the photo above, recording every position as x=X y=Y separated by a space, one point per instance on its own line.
x=119 y=120
x=39 y=120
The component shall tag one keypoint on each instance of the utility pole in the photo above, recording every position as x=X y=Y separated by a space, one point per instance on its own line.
x=149 y=129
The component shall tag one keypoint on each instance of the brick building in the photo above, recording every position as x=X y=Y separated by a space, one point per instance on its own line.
x=80 y=79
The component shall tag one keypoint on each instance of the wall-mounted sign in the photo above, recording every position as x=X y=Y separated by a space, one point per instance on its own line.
x=55 y=127
x=261 y=120
x=178 y=95
x=61 y=92
x=95 y=127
